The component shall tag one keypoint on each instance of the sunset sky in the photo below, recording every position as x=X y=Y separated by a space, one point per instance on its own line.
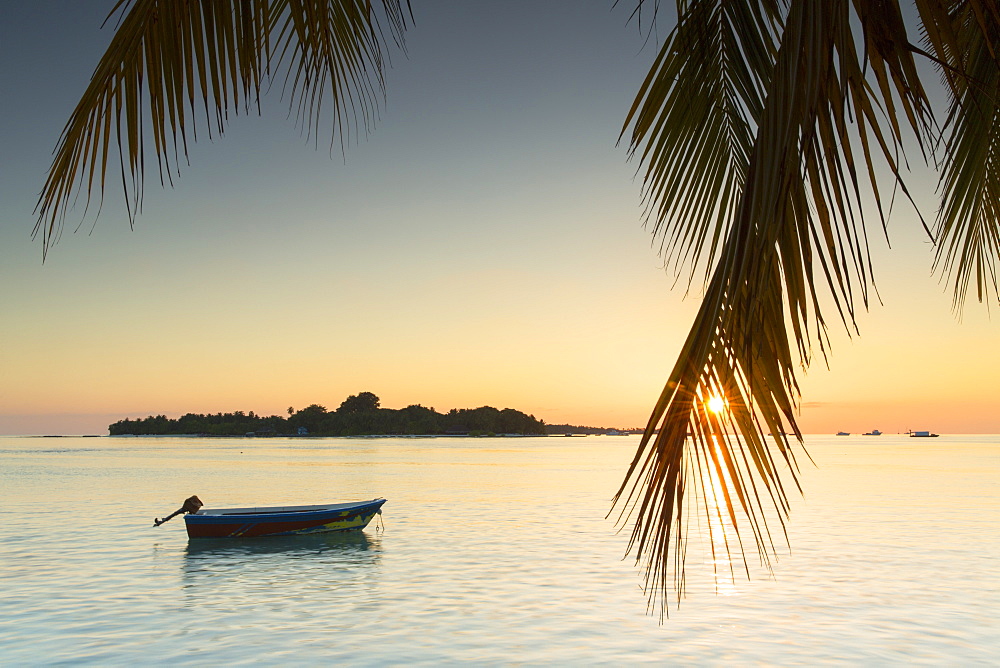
x=483 y=246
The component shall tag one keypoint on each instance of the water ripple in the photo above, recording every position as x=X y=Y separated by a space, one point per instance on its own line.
x=490 y=556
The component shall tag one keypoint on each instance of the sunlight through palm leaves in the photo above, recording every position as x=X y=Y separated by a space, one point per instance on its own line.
x=749 y=127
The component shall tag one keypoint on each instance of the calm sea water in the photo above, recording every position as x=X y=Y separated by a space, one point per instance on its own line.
x=494 y=551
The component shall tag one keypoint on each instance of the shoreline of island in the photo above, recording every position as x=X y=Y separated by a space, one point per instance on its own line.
x=359 y=415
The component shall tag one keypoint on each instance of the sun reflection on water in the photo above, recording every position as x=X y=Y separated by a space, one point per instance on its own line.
x=715 y=481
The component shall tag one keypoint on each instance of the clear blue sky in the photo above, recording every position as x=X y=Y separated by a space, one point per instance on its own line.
x=484 y=246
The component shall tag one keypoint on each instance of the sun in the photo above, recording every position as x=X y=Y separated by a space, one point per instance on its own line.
x=716 y=404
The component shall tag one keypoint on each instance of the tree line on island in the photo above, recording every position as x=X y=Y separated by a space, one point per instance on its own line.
x=358 y=415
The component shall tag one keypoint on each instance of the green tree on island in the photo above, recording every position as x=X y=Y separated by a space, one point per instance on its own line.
x=362 y=416
x=310 y=418
x=366 y=401
x=760 y=128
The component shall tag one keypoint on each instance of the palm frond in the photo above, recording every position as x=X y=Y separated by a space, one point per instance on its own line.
x=794 y=220
x=170 y=59
x=341 y=45
x=966 y=40
x=695 y=115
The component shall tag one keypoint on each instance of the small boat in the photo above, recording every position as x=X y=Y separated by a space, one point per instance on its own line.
x=843 y=433
x=873 y=432
x=921 y=434
x=276 y=520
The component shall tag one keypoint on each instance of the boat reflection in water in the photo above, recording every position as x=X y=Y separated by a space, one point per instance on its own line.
x=339 y=570
x=287 y=546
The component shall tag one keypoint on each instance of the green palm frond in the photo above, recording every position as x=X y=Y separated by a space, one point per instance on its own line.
x=789 y=215
x=171 y=59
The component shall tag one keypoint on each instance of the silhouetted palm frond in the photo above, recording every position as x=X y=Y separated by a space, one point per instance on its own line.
x=966 y=40
x=761 y=128
x=170 y=60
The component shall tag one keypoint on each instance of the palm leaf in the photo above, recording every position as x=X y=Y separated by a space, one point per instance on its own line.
x=788 y=211
x=169 y=59
x=966 y=39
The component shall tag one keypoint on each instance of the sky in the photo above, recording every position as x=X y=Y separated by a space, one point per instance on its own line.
x=484 y=245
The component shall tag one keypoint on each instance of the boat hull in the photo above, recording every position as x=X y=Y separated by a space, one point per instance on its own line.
x=257 y=522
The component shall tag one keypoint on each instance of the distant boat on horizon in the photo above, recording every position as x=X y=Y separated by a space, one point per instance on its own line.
x=873 y=432
x=843 y=433
x=921 y=434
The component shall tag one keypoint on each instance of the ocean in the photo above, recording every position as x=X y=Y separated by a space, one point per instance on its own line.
x=491 y=551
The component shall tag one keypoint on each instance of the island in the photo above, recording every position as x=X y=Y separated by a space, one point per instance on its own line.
x=358 y=415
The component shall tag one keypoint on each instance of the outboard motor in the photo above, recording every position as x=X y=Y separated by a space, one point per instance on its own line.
x=192 y=504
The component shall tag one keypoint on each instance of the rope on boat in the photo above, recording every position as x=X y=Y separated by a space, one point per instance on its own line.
x=379 y=524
